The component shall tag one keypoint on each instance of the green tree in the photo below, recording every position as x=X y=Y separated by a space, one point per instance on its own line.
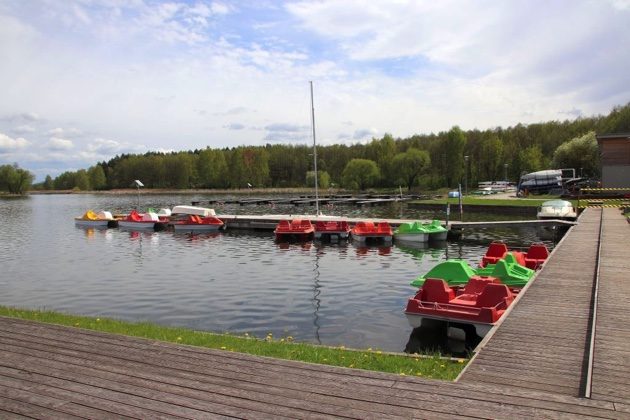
x=531 y=159
x=382 y=152
x=410 y=165
x=97 y=178
x=490 y=160
x=452 y=149
x=212 y=169
x=580 y=153
x=82 y=180
x=48 y=183
x=360 y=174
x=14 y=179
x=323 y=179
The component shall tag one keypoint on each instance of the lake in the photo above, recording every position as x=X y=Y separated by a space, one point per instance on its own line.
x=234 y=281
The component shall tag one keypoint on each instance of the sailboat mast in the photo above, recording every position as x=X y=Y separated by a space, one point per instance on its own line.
x=314 y=152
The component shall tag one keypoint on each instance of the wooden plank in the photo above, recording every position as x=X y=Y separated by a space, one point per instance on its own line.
x=452 y=389
x=33 y=406
x=560 y=339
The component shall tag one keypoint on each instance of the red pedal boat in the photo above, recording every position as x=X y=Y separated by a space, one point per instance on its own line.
x=194 y=223
x=332 y=230
x=363 y=231
x=295 y=229
x=480 y=303
x=534 y=258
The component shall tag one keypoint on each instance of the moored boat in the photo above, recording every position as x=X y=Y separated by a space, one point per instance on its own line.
x=135 y=220
x=436 y=231
x=90 y=219
x=411 y=232
x=509 y=271
x=455 y=272
x=481 y=303
x=557 y=209
x=195 y=223
x=333 y=230
x=299 y=229
x=533 y=258
x=364 y=231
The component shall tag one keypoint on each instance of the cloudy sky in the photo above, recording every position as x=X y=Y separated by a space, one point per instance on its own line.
x=84 y=80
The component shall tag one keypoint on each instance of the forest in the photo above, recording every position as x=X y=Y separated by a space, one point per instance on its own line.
x=422 y=161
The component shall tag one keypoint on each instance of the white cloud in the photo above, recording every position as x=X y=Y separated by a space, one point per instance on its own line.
x=59 y=144
x=25 y=128
x=164 y=75
x=8 y=144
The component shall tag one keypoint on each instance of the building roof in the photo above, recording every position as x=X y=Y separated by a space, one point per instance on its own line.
x=613 y=136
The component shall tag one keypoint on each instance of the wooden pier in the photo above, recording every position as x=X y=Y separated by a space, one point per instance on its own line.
x=566 y=336
x=269 y=221
x=359 y=200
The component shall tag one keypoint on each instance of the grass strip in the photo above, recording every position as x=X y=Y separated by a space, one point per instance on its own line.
x=432 y=366
x=475 y=201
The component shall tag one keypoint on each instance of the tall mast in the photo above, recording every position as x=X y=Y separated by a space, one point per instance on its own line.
x=314 y=152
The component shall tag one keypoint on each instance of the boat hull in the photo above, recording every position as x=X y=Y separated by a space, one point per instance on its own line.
x=438 y=236
x=415 y=321
x=196 y=228
x=126 y=224
x=373 y=237
x=412 y=237
x=92 y=223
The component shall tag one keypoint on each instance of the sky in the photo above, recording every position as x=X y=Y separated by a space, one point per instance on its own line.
x=82 y=81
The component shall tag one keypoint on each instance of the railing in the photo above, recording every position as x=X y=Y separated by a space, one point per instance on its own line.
x=604 y=197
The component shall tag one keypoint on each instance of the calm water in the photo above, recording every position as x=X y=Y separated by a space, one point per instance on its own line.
x=236 y=281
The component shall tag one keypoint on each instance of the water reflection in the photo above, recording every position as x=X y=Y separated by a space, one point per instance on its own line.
x=435 y=336
x=237 y=281
x=316 y=292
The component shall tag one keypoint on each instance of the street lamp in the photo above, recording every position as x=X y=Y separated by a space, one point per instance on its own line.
x=466 y=175
x=505 y=166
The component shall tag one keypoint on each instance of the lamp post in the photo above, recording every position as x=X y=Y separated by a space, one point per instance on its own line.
x=466 y=175
x=505 y=166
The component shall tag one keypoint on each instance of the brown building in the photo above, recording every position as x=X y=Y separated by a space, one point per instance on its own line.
x=614 y=150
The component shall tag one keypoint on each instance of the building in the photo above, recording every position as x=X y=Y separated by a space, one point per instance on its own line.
x=614 y=150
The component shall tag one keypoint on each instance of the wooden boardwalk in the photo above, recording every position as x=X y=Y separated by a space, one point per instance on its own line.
x=611 y=367
x=542 y=343
x=49 y=371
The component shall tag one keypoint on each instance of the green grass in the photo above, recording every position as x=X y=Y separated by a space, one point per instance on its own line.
x=280 y=347
x=476 y=201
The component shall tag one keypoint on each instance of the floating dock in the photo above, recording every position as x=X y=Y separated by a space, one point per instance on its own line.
x=269 y=221
x=561 y=352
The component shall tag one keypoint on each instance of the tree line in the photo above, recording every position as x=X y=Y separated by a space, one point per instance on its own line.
x=427 y=161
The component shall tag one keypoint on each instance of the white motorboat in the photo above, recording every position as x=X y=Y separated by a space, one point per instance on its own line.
x=557 y=209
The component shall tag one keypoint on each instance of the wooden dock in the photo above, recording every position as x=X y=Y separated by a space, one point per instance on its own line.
x=535 y=365
x=269 y=221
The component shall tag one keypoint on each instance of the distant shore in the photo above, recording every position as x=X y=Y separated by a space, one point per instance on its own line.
x=147 y=191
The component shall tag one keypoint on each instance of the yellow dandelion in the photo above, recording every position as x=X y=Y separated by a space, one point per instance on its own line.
x=351 y=366
x=325 y=360
x=443 y=366
x=76 y=324
x=98 y=319
x=223 y=347
x=179 y=339
x=419 y=374
x=460 y=361
x=403 y=374
x=379 y=352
